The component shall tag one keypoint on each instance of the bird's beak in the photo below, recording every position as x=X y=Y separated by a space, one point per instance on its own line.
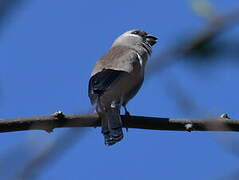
x=151 y=39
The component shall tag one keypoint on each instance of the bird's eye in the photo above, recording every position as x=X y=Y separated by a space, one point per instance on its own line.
x=135 y=32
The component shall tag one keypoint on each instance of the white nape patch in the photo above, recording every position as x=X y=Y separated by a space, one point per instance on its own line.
x=140 y=59
x=132 y=35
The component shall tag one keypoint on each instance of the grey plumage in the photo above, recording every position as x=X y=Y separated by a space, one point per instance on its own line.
x=117 y=77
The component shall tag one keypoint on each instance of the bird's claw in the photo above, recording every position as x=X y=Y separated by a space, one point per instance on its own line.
x=128 y=115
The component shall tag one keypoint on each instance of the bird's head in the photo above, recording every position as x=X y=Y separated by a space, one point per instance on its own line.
x=135 y=37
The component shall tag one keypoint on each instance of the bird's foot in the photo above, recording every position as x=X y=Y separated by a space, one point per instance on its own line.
x=113 y=136
x=127 y=113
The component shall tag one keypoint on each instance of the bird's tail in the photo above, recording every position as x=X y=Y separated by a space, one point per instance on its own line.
x=111 y=123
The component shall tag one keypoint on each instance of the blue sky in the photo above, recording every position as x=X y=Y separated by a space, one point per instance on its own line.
x=48 y=49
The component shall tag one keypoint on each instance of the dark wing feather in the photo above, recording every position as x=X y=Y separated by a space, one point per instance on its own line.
x=101 y=81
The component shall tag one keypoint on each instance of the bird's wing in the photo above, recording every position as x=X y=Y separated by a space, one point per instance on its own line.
x=118 y=58
x=101 y=81
x=113 y=65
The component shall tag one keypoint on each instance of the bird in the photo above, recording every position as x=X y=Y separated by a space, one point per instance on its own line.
x=116 y=78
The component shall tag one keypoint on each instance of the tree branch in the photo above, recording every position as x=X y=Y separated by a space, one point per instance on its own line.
x=213 y=29
x=59 y=120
